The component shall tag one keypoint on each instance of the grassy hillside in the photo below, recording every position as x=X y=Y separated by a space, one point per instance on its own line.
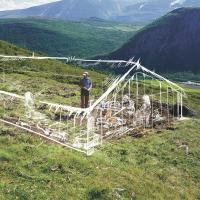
x=61 y=38
x=152 y=167
x=43 y=77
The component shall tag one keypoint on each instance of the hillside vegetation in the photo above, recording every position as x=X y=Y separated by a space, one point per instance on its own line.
x=170 y=44
x=152 y=167
x=53 y=80
x=61 y=38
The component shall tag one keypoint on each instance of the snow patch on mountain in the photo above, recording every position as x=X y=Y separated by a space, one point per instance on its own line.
x=20 y=4
x=177 y=2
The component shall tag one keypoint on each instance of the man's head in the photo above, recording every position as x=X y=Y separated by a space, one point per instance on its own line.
x=85 y=74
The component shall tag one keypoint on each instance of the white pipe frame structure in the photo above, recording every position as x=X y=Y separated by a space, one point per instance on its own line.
x=91 y=138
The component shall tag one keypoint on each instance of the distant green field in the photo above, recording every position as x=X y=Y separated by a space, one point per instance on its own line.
x=61 y=38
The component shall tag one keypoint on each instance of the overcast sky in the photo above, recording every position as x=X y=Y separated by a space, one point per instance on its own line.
x=17 y=4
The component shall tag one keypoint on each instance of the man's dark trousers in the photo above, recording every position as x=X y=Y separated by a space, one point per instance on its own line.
x=85 y=96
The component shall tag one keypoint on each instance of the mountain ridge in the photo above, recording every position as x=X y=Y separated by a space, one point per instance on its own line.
x=125 y=11
x=169 y=44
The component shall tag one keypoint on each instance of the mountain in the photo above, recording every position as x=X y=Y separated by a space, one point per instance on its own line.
x=120 y=10
x=150 y=10
x=169 y=44
x=71 y=9
x=63 y=38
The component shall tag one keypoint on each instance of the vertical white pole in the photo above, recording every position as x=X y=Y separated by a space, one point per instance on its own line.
x=137 y=93
x=3 y=76
x=101 y=115
x=60 y=119
x=67 y=123
x=173 y=103
x=4 y=110
x=167 y=104
x=152 y=110
x=181 y=105
x=152 y=106
x=145 y=120
x=122 y=108
x=75 y=123
x=87 y=135
x=178 y=105
x=160 y=98
x=144 y=76
x=134 y=103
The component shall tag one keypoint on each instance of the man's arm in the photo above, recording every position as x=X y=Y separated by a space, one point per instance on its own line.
x=90 y=86
x=81 y=83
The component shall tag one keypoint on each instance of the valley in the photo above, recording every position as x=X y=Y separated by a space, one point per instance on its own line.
x=87 y=38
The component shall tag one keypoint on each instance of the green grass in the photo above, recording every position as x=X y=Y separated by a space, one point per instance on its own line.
x=61 y=38
x=153 y=167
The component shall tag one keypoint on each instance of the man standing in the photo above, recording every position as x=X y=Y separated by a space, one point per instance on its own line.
x=86 y=86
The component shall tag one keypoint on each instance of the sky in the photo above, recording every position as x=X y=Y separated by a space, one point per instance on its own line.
x=18 y=4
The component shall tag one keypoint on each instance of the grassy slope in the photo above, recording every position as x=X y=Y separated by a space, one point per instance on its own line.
x=84 y=39
x=152 y=167
x=148 y=168
x=52 y=80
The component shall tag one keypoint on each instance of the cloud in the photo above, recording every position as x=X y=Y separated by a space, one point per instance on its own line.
x=19 y=4
x=180 y=2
